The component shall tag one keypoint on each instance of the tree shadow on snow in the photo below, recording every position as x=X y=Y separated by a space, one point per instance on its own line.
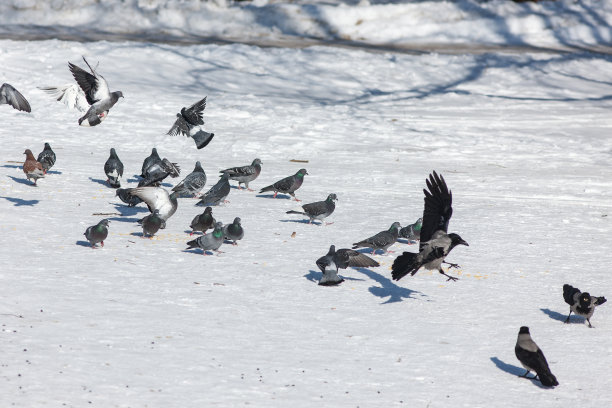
x=315 y=276
x=388 y=288
x=19 y=202
x=555 y=315
x=515 y=370
x=23 y=181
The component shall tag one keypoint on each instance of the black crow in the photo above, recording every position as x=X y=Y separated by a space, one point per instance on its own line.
x=581 y=303
x=532 y=358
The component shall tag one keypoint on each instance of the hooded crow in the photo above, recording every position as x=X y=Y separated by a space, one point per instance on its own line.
x=532 y=358
x=581 y=303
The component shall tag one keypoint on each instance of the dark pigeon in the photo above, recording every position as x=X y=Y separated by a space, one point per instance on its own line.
x=47 y=157
x=244 y=174
x=210 y=242
x=125 y=196
x=318 y=210
x=113 y=168
x=151 y=224
x=193 y=183
x=532 y=358
x=288 y=185
x=158 y=172
x=188 y=119
x=382 y=240
x=581 y=303
x=31 y=167
x=202 y=138
x=151 y=160
x=217 y=193
x=97 y=233
x=341 y=259
x=10 y=96
x=203 y=222
x=233 y=231
x=412 y=232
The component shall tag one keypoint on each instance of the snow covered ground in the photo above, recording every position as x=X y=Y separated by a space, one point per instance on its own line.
x=523 y=141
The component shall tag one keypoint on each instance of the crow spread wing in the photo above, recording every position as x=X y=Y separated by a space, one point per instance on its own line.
x=438 y=208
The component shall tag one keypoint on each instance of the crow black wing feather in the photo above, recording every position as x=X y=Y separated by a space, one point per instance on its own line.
x=438 y=208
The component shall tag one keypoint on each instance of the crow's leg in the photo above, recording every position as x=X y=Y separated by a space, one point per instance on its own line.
x=452 y=265
x=568 y=316
x=448 y=276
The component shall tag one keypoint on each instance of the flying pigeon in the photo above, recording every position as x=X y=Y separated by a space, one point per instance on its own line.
x=97 y=94
x=288 y=185
x=157 y=198
x=435 y=243
x=244 y=174
x=210 y=242
x=125 y=196
x=188 y=119
x=532 y=358
x=341 y=259
x=31 y=167
x=70 y=95
x=203 y=222
x=202 y=138
x=193 y=183
x=581 y=303
x=151 y=224
x=382 y=240
x=113 y=169
x=10 y=96
x=46 y=158
x=217 y=193
x=97 y=233
x=317 y=210
x=233 y=231
x=156 y=173
x=412 y=232
x=150 y=161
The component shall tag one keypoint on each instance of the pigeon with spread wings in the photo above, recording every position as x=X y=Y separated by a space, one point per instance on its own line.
x=11 y=96
x=435 y=243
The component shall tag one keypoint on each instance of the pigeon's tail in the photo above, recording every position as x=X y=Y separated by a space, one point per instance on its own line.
x=330 y=280
x=568 y=293
x=547 y=378
x=269 y=188
x=114 y=182
x=295 y=212
x=405 y=264
x=193 y=244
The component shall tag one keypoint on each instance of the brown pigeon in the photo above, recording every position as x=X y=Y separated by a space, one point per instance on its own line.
x=31 y=167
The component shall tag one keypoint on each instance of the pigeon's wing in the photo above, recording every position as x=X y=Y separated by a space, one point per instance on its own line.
x=172 y=169
x=239 y=171
x=194 y=113
x=284 y=184
x=154 y=197
x=349 y=257
x=94 y=85
x=70 y=95
x=317 y=208
x=8 y=94
x=438 y=208
x=180 y=126
x=193 y=183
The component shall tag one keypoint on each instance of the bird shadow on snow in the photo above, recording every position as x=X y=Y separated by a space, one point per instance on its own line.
x=299 y=221
x=279 y=196
x=515 y=370
x=13 y=166
x=84 y=243
x=561 y=317
x=406 y=241
x=19 y=202
x=315 y=276
x=388 y=288
x=23 y=181
x=368 y=251
x=126 y=210
x=99 y=181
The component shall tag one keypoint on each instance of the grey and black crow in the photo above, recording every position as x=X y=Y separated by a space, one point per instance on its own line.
x=581 y=303
x=532 y=358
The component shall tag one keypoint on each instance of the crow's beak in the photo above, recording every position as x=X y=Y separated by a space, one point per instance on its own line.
x=462 y=242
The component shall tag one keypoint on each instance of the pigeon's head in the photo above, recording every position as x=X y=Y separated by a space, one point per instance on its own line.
x=198 y=167
x=332 y=197
x=119 y=94
x=256 y=162
x=104 y=222
x=418 y=224
x=395 y=226
x=237 y=221
x=332 y=250
x=301 y=173
x=47 y=146
x=113 y=152
x=225 y=176
x=585 y=299
x=207 y=210
x=524 y=330
x=456 y=240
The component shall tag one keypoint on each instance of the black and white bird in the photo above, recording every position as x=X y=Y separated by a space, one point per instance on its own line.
x=97 y=233
x=11 y=96
x=383 y=240
x=287 y=185
x=113 y=168
x=158 y=172
x=70 y=95
x=47 y=158
x=341 y=259
x=318 y=210
x=97 y=93
x=532 y=358
x=217 y=193
x=203 y=222
x=193 y=183
x=244 y=174
x=187 y=121
x=412 y=232
x=149 y=161
x=125 y=196
x=209 y=242
x=234 y=231
x=581 y=303
x=435 y=243
x=152 y=223
x=157 y=198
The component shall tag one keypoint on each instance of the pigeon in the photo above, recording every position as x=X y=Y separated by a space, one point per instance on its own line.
x=125 y=196
x=97 y=233
x=151 y=224
x=382 y=240
x=217 y=193
x=97 y=94
x=193 y=183
x=435 y=243
x=10 y=96
x=288 y=185
x=202 y=138
x=113 y=169
x=157 y=198
x=412 y=232
x=581 y=303
x=156 y=173
x=47 y=158
x=203 y=222
x=341 y=259
x=233 y=231
x=31 y=167
x=210 y=242
x=188 y=119
x=150 y=161
x=532 y=358
x=317 y=210
x=70 y=95
x=244 y=174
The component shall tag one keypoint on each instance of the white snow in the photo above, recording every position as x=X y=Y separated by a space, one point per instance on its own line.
x=523 y=140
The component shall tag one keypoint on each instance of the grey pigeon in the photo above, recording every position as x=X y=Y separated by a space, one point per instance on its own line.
x=435 y=242
x=412 y=232
x=113 y=168
x=341 y=259
x=151 y=160
x=188 y=119
x=581 y=303
x=288 y=185
x=125 y=196
x=244 y=174
x=97 y=93
x=70 y=95
x=233 y=231
x=318 y=210
x=382 y=240
x=217 y=193
x=203 y=222
x=193 y=183
x=202 y=138
x=151 y=224
x=97 y=233
x=210 y=242
x=158 y=172
x=532 y=358
x=10 y=96
x=46 y=157
x=157 y=198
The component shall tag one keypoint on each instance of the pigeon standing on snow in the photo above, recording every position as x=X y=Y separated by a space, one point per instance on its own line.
x=70 y=95
x=210 y=242
x=244 y=174
x=193 y=183
x=113 y=168
x=125 y=196
x=46 y=157
x=288 y=185
x=318 y=210
x=341 y=259
x=152 y=159
x=187 y=120
x=151 y=224
x=412 y=232
x=233 y=231
x=97 y=233
x=158 y=172
x=31 y=167
x=203 y=222
x=217 y=193
x=532 y=358
x=10 y=96
x=157 y=198
x=581 y=303
x=97 y=93
x=382 y=240
x=435 y=243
